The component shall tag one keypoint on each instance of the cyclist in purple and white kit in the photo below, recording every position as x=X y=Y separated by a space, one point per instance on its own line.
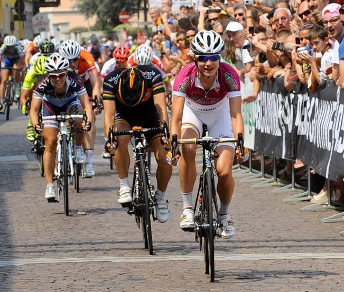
x=207 y=92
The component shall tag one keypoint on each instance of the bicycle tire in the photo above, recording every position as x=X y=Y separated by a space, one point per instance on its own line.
x=65 y=174
x=8 y=100
x=210 y=233
x=77 y=177
x=147 y=210
x=40 y=152
x=111 y=161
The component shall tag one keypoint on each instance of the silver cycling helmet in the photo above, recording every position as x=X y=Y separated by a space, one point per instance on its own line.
x=37 y=41
x=56 y=62
x=207 y=43
x=10 y=40
x=70 y=49
x=143 y=55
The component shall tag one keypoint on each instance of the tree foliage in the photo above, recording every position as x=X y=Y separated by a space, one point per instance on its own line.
x=107 y=11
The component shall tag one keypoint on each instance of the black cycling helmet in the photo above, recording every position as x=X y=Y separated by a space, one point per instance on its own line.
x=94 y=39
x=47 y=48
x=132 y=86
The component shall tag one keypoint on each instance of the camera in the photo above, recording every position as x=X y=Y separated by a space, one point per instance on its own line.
x=278 y=46
x=248 y=2
x=251 y=30
x=297 y=40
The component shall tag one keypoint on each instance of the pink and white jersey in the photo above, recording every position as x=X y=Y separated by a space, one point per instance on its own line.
x=108 y=67
x=187 y=85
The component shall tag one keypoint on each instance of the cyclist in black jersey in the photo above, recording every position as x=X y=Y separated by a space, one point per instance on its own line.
x=136 y=97
x=58 y=91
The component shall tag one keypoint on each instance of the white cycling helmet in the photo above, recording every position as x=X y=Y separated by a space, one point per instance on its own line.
x=143 y=55
x=56 y=43
x=25 y=43
x=70 y=49
x=207 y=43
x=37 y=41
x=10 y=40
x=56 y=62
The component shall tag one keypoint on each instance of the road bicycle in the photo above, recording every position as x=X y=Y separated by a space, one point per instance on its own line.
x=67 y=171
x=38 y=147
x=9 y=93
x=143 y=197
x=206 y=217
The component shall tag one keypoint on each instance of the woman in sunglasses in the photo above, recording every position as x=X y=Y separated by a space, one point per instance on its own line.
x=58 y=91
x=207 y=92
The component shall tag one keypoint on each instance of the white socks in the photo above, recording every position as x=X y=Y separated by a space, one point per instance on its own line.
x=89 y=155
x=187 y=200
x=124 y=182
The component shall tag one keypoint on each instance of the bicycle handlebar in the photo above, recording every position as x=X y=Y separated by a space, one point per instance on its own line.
x=139 y=130
x=208 y=140
x=64 y=117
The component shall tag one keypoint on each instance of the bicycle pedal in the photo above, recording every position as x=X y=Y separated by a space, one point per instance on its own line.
x=126 y=205
x=191 y=229
x=52 y=200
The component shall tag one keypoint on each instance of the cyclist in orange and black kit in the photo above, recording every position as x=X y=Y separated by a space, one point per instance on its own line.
x=32 y=49
x=83 y=63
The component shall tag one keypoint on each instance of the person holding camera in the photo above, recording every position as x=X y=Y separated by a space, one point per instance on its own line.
x=244 y=61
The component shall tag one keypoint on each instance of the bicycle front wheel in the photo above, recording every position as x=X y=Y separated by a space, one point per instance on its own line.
x=65 y=173
x=210 y=230
x=7 y=102
x=40 y=152
x=146 y=220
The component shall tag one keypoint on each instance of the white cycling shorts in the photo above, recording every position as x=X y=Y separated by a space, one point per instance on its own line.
x=219 y=122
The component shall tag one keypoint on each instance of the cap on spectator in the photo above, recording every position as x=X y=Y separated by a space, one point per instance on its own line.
x=234 y=26
x=223 y=14
x=331 y=10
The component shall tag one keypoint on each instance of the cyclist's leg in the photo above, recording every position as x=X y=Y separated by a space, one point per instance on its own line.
x=163 y=175
x=90 y=137
x=223 y=164
x=164 y=170
x=16 y=73
x=4 y=77
x=50 y=138
x=122 y=158
x=191 y=128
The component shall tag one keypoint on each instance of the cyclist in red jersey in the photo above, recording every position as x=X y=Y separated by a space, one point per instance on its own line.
x=207 y=92
x=82 y=62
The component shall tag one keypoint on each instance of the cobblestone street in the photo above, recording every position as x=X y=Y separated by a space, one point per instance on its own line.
x=277 y=247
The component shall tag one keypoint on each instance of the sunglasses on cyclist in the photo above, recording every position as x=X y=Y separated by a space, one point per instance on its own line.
x=54 y=76
x=190 y=36
x=212 y=58
x=305 y=13
x=74 y=60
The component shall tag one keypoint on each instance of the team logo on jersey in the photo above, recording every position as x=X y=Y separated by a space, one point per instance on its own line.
x=114 y=79
x=186 y=84
x=230 y=81
x=149 y=74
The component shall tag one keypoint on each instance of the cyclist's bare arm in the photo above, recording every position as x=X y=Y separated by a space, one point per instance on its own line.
x=27 y=58
x=237 y=120
x=109 y=115
x=177 y=114
x=95 y=82
x=35 y=108
x=86 y=104
x=161 y=107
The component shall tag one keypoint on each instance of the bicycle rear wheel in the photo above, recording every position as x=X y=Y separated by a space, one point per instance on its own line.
x=64 y=169
x=210 y=230
x=146 y=220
